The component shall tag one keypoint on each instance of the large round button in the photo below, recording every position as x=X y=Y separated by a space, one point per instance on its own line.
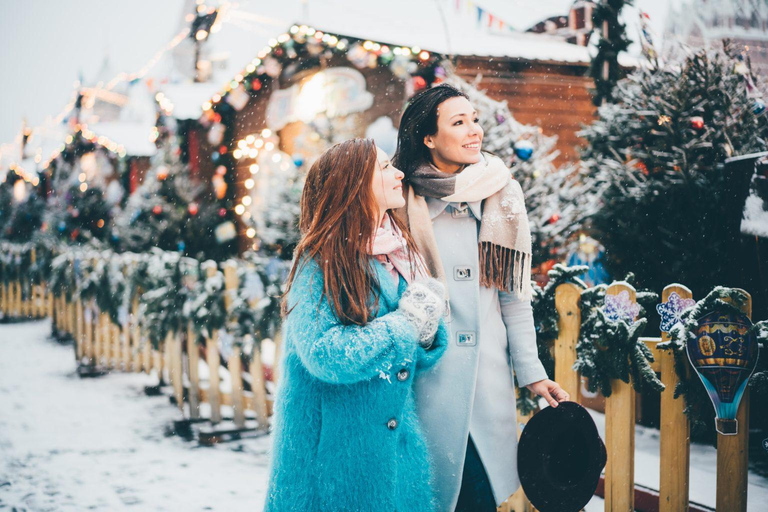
x=392 y=424
x=403 y=375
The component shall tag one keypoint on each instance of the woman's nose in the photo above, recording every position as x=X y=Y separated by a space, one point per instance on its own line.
x=399 y=175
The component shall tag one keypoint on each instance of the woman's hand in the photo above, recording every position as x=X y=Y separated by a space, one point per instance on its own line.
x=423 y=303
x=550 y=390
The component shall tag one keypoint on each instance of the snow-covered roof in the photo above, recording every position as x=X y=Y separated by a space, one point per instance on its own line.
x=135 y=138
x=243 y=28
x=187 y=99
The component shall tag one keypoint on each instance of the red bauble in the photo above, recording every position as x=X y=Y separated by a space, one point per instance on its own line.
x=223 y=150
x=554 y=218
x=256 y=84
x=419 y=83
x=222 y=212
x=697 y=122
x=158 y=209
x=193 y=208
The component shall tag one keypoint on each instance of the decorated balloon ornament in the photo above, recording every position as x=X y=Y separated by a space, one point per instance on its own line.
x=724 y=355
x=523 y=150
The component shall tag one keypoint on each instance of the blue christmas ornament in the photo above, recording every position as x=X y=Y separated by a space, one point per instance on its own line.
x=758 y=107
x=181 y=246
x=62 y=226
x=215 y=156
x=523 y=150
x=298 y=159
x=724 y=354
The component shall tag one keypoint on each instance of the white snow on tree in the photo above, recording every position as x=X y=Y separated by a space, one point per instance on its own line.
x=275 y=206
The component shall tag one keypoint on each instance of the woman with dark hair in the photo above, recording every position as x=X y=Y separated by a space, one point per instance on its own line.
x=467 y=217
x=362 y=319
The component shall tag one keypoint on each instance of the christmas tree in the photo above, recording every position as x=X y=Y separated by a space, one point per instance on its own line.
x=172 y=212
x=276 y=199
x=668 y=211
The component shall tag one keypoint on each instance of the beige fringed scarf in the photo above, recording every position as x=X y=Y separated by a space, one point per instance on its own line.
x=505 y=235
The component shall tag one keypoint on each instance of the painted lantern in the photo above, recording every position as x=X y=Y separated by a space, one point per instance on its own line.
x=724 y=354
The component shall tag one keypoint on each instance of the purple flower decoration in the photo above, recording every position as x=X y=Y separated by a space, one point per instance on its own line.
x=671 y=310
x=620 y=307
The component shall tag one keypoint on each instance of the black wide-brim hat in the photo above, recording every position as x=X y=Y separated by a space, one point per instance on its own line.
x=560 y=457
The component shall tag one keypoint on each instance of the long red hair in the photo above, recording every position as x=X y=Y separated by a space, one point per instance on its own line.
x=338 y=218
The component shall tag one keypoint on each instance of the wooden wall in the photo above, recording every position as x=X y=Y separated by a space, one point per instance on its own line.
x=553 y=96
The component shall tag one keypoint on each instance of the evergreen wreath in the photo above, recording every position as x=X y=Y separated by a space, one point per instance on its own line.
x=610 y=348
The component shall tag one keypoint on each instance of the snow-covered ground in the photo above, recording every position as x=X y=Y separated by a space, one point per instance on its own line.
x=68 y=444
x=71 y=444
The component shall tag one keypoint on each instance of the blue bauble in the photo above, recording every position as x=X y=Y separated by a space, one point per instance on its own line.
x=298 y=159
x=523 y=150
x=758 y=107
x=62 y=226
x=181 y=246
x=215 y=156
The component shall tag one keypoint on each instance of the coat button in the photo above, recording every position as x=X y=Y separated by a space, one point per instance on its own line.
x=403 y=375
x=392 y=424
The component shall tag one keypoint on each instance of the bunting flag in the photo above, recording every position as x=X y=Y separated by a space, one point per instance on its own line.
x=483 y=17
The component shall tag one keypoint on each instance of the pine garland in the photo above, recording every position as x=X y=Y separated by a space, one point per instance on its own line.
x=611 y=349
x=698 y=406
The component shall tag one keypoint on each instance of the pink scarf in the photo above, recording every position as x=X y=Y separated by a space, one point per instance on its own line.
x=390 y=249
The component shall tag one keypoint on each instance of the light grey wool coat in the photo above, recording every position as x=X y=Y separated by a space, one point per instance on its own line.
x=492 y=338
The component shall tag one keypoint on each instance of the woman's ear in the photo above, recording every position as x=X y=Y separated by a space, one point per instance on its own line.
x=429 y=142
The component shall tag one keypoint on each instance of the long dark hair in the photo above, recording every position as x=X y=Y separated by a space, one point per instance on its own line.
x=419 y=120
x=338 y=217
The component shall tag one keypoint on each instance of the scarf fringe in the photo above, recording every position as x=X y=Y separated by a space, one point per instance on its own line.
x=506 y=269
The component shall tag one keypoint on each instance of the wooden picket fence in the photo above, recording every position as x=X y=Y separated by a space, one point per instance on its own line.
x=618 y=484
x=23 y=299
x=102 y=343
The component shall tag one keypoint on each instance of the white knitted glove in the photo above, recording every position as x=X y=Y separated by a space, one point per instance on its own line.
x=423 y=303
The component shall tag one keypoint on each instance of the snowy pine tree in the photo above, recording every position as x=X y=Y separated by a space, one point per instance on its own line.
x=667 y=210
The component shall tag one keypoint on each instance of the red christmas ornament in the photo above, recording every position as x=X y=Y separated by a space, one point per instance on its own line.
x=554 y=218
x=697 y=122
x=256 y=84
x=419 y=83
x=222 y=212
x=193 y=208
x=222 y=150
x=217 y=118
x=158 y=209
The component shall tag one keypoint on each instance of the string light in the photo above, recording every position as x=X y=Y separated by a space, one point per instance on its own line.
x=299 y=33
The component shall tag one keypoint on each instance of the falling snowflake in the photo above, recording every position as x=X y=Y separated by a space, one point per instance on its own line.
x=671 y=310
x=620 y=307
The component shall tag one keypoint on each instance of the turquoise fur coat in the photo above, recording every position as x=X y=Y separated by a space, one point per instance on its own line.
x=346 y=435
